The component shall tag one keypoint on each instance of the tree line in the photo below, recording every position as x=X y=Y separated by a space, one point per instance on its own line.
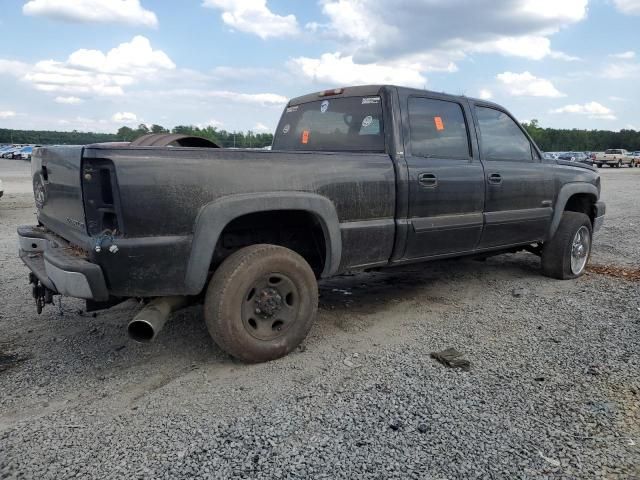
x=223 y=138
x=548 y=139
x=557 y=140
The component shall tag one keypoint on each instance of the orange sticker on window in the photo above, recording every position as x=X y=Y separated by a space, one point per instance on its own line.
x=305 y=136
x=439 y=123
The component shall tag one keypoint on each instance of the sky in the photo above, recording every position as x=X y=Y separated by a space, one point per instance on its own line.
x=96 y=65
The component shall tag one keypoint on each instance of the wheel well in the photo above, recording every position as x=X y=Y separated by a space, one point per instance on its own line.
x=298 y=230
x=582 y=203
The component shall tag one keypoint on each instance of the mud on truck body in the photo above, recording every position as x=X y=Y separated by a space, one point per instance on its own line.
x=359 y=178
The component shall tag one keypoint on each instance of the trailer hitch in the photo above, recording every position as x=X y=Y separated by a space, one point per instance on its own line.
x=42 y=295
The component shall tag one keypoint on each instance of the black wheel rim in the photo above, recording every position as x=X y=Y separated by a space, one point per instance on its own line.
x=270 y=306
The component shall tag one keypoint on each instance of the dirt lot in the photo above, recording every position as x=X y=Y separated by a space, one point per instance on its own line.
x=553 y=391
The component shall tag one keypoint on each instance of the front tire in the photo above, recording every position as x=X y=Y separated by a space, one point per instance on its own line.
x=567 y=254
x=261 y=303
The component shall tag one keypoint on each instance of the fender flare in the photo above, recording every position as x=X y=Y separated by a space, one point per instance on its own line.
x=566 y=192
x=215 y=216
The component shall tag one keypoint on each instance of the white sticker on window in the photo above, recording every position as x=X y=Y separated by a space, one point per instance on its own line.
x=286 y=129
x=368 y=120
x=292 y=109
x=370 y=100
x=324 y=106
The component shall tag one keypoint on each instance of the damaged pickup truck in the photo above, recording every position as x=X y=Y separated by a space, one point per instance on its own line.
x=358 y=178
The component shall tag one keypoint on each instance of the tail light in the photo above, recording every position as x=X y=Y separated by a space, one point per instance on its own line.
x=100 y=199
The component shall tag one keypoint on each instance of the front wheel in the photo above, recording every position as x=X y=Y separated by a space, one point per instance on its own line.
x=566 y=255
x=261 y=303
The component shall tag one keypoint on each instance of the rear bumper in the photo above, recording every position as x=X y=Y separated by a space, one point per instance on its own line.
x=598 y=221
x=59 y=267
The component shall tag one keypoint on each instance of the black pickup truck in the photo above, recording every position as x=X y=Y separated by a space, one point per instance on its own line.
x=358 y=178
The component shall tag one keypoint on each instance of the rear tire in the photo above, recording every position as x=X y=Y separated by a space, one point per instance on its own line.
x=261 y=303
x=567 y=254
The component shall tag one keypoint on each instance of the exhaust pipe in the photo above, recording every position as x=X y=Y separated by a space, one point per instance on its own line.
x=146 y=325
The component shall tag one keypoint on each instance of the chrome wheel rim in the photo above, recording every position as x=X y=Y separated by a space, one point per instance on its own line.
x=580 y=249
x=270 y=307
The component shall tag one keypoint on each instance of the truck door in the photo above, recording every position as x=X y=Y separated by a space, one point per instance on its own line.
x=519 y=188
x=446 y=179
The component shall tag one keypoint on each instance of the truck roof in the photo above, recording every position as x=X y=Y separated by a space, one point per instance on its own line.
x=369 y=90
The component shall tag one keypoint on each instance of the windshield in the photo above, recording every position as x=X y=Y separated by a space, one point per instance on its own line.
x=613 y=152
x=332 y=124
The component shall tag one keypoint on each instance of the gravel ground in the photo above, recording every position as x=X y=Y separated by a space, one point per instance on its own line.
x=553 y=390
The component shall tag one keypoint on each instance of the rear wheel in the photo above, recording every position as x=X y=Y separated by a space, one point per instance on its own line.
x=261 y=303
x=567 y=254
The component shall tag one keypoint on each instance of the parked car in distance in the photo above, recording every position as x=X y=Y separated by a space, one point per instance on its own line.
x=25 y=153
x=614 y=157
x=8 y=153
x=575 y=157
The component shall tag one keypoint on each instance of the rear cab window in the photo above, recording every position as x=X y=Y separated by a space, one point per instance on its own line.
x=353 y=124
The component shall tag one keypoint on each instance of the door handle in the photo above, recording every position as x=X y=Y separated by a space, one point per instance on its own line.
x=428 y=180
x=495 y=179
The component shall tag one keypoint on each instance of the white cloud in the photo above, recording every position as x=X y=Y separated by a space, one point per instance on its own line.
x=618 y=71
x=68 y=100
x=563 y=56
x=526 y=84
x=261 y=99
x=593 y=110
x=485 y=94
x=128 y=12
x=13 y=67
x=372 y=30
x=624 y=55
x=253 y=16
x=211 y=123
x=88 y=72
x=129 y=58
x=335 y=69
x=7 y=114
x=630 y=7
x=124 y=117
x=261 y=128
x=532 y=47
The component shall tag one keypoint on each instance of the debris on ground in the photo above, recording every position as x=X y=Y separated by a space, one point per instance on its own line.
x=519 y=292
x=626 y=273
x=452 y=359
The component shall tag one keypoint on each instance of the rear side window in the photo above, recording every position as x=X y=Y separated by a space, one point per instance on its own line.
x=333 y=124
x=501 y=138
x=438 y=129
